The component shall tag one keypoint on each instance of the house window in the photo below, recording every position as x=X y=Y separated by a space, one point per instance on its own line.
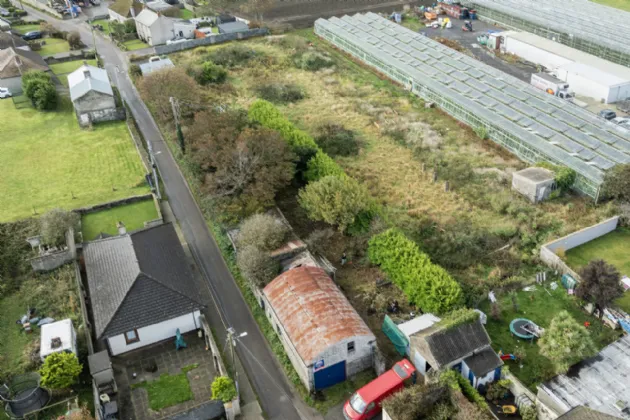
x=132 y=336
x=351 y=347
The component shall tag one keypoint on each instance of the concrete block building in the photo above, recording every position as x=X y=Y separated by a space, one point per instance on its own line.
x=325 y=338
x=92 y=95
x=534 y=183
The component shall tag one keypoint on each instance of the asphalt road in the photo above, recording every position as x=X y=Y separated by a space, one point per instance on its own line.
x=276 y=396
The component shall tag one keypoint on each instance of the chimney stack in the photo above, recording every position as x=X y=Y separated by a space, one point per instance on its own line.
x=86 y=73
x=122 y=230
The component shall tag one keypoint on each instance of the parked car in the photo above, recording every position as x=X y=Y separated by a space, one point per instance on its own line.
x=5 y=93
x=607 y=114
x=620 y=120
x=4 y=12
x=32 y=35
x=367 y=402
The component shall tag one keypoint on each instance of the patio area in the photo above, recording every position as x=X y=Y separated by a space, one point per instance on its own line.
x=161 y=377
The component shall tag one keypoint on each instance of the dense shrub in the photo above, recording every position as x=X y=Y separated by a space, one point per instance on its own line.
x=456 y=381
x=135 y=71
x=262 y=231
x=223 y=389
x=257 y=266
x=232 y=55
x=74 y=40
x=55 y=224
x=334 y=200
x=156 y=89
x=322 y=165
x=617 y=182
x=211 y=73
x=565 y=177
x=40 y=89
x=426 y=284
x=312 y=61
x=60 y=370
x=336 y=140
x=416 y=402
x=280 y=93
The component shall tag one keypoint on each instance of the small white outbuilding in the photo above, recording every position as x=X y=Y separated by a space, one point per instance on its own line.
x=58 y=337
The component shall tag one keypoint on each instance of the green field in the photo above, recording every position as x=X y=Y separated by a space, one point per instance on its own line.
x=540 y=307
x=132 y=215
x=135 y=44
x=186 y=14
x=54 y=46
x=47 y=161
x=619 y=4
x=62 y=70
x=614 y=248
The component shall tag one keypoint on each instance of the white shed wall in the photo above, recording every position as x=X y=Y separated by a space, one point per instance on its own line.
x=583 y=86
x=155 y=333
x=534 y=54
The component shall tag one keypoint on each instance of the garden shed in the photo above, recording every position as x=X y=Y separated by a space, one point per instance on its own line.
x=534 y=183
x=58 y=337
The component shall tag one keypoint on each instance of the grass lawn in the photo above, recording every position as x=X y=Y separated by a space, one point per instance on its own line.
x=135 y=44
x=614 y=248
x=168 y=390
x=47 y=161
x=27 y=28
x=132 y=215
x=539 y=307
x=186 y=14
x=62 y=70
x=53 y=46
x=104 y=23
x=619 y=4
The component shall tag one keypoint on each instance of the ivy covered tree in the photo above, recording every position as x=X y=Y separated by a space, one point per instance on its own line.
x=223 y=389
x=600 y=284
x=60 y=370
x=617 y=182
x=566 y=342
x=55 y=224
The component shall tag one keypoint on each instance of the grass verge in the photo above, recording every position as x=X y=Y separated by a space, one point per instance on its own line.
x=47 y=161
x=132 y=215
x=168 y=390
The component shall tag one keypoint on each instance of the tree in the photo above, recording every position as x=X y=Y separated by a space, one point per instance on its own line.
x=334 y=200
x=257 y=265
x=157 y=87
x=223 y=389
x=319 y=240
x=600 y=284
x=40 y=89
x=74 y=40
x=617 y=182
x=566 y=342
x=212 y=73
x=60 y=370
x=55 y=224
x=241 y=167
x=117 y=30
x=262 y=231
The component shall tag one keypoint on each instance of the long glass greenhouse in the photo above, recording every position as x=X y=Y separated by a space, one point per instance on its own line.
x=598 y=30
x=530 y=123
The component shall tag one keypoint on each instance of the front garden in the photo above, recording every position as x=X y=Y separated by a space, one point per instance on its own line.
x=133 y=215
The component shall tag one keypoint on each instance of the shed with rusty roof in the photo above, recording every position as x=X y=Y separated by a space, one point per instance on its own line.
x=325 y=338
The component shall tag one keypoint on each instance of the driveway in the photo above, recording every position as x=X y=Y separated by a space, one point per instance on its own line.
x=276 y=396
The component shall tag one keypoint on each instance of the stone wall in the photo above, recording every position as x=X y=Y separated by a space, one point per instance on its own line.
x=209 y=40
x=55 y=259
x=548 y=250
x=115 y=203
x=93 y=117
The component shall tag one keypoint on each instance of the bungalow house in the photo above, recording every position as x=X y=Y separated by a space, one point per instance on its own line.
x=154 y=28
x=123 y=10
x=464 y=347
x=8 y=40
x=599 y=383
x=141 y=288
x=14 y=62
x=92 y=95
x=324 y=337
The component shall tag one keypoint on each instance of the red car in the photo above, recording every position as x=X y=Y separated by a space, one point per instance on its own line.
x=366 y=402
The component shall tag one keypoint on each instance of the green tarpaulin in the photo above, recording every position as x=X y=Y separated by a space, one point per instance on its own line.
x=398 y=338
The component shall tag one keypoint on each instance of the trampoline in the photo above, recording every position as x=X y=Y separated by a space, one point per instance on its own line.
x=524 y=328
x=24 y=395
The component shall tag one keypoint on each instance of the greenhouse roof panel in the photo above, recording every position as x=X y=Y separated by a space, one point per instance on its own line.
x=475 y=92
x=602 y=162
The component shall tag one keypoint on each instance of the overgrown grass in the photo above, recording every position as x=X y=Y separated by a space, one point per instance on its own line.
x=538 y=306
x=53 y=46
x=61 y=70
x=168 y=390
x=132 y=215
x=619 y=4
x=47 y=161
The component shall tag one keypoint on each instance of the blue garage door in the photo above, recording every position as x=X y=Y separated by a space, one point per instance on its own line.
x=330 y=375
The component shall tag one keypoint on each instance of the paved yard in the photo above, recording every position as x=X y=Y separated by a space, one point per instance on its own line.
x=134 y=403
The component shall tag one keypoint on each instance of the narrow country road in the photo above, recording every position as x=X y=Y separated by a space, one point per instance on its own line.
x=274 y=392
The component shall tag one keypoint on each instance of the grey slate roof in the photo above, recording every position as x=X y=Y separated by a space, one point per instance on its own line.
x=598 y=382
x=585 y=413
x=7 y=40
x=138 y=279
x=96 y=80
x=231 y=27
x=151 y=66
x=442 y=346
x=483 y=362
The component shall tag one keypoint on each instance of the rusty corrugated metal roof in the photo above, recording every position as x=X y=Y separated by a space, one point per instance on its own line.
x=313 y=311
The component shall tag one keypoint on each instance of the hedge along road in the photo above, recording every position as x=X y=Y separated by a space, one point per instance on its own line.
x=276 y=396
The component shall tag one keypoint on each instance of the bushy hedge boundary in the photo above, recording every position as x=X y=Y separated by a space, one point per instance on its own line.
x=426 y=284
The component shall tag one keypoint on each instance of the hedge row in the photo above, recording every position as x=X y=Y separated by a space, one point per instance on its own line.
x=426 y=284
x=320 y=164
